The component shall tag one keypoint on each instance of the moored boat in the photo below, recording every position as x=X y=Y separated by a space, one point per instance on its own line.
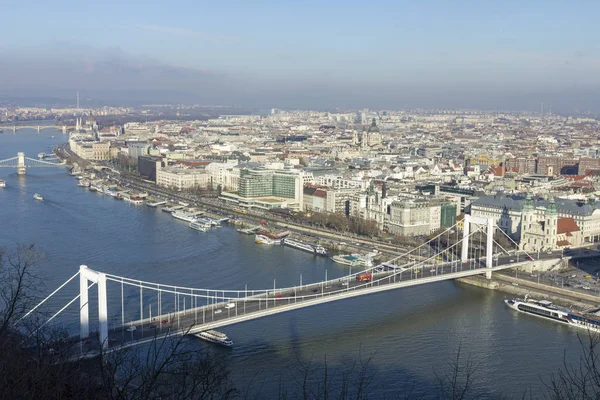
x=262 y=239
x=249 y=231
x=545 y=309
x=200 y=226
x=186 y=216
x=137 y=200
x=321 y=251
x=296 y=244
x=346 y=259
x=171 y=209
x=365 y=260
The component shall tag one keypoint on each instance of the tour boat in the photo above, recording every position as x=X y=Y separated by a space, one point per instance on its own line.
x=215 y=337
x=545 y=309
x=2 y=183
x=38 y=196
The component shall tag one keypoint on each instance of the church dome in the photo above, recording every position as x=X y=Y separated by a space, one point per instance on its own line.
x=373 y=128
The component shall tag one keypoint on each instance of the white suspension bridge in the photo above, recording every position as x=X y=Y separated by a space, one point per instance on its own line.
x=166 y=310
x=21 y=163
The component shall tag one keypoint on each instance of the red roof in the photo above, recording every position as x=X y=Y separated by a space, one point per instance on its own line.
x=592 y=172
x=562 y=243
x=580 y=184
x=320 y=193
x=566 y=225
x=573 y=177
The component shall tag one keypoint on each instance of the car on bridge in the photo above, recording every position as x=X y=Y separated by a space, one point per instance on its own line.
x=219 y=311
x=364 y=277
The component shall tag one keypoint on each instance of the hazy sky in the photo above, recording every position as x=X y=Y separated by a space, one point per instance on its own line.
x=300 y=53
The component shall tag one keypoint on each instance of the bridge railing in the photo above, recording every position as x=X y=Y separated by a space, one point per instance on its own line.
x=411 y=271
x=175 y=328
x=226 y=294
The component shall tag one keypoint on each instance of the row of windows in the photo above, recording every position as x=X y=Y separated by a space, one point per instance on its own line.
x=530 y=309
x=584 y=320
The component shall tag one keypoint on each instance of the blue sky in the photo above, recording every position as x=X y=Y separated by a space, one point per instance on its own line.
x=415 y=45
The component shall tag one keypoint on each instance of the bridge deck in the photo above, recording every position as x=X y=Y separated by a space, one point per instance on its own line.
x=206 y=317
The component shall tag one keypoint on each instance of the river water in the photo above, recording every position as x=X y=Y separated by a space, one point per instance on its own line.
x=411 y=333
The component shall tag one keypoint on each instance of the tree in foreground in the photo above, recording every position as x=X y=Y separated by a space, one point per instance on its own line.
x=578 y=380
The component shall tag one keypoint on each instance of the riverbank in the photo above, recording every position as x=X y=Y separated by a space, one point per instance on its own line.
x=521 y=287
x=122 y=188
x=333 y=241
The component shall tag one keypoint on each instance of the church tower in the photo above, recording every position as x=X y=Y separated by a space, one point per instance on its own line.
x=550 y=225
x=527 y=220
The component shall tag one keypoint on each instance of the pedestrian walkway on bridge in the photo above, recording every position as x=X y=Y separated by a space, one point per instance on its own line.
x=166 y=310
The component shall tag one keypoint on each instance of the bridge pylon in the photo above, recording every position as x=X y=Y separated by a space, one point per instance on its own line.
x=489 y=248
x=86 y=275
x=21 y=167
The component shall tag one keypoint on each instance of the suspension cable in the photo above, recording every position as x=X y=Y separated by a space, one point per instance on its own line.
x=60 y=311
x=48 y=297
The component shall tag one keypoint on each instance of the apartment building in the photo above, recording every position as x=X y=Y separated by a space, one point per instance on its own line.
x=508 y=213
x=92 y=150
x=182 y=178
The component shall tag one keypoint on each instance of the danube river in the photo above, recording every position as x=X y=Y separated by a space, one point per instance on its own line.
x=411 y=333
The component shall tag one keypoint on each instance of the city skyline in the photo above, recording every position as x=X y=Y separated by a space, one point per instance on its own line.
x=306 y=54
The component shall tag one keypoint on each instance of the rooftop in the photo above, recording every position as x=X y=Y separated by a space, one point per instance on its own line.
x=516 y=203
